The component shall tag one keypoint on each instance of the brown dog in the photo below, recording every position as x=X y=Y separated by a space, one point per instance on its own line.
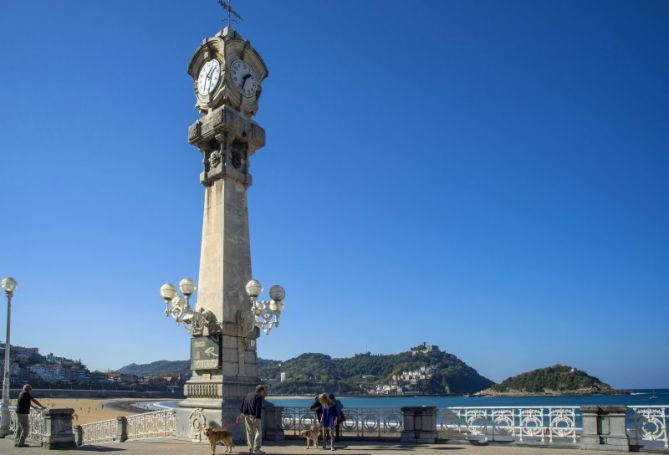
x=312 y=435
x=216 y=435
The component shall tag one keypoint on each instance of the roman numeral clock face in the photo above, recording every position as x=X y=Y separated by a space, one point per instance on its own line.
x=243 y=78
x=208 y=78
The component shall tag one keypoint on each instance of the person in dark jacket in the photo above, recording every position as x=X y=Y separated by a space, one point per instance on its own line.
x=317 y=407
x=23 y=405
x=251 y=409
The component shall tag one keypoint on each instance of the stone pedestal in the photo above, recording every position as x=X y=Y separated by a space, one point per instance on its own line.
x=121 y=429
x=58 y=432
x=191 y=421
x=604 y=428
x=271 y=423
x=420 y=424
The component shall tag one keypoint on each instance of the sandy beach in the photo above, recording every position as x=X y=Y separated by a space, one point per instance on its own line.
x=91 y=410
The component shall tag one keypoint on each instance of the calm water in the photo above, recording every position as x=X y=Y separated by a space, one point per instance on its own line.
x=637 y=398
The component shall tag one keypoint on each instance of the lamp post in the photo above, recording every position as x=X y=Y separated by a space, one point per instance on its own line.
x=8 y=285
x=266 y=312
x=178 y=306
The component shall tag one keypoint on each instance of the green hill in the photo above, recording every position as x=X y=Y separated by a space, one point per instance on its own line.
x=158 y=368
x=314 y=373
x=556 y=379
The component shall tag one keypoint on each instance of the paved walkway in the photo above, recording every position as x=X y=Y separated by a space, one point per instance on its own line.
x=172 y=447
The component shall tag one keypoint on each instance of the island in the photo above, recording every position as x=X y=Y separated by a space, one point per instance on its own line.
x=554 y=380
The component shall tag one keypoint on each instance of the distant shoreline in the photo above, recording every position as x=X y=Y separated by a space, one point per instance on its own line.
x=573 y=393
x=474 y=395
x=127 y=405
x=406 y=395
x=412 y=395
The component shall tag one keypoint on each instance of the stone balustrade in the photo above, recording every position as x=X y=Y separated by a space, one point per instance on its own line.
x=618 y=428
x=156 y=424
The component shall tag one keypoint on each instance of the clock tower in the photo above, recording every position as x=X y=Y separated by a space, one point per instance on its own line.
x=227 y=75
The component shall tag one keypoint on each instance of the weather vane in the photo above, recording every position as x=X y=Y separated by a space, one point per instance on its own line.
x=227 y=5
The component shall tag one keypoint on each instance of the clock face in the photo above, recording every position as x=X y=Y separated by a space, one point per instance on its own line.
x=243 y=78
x=208 y=78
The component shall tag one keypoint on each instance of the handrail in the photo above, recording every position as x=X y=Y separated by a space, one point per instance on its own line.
x=512 y=407
x=36 y=423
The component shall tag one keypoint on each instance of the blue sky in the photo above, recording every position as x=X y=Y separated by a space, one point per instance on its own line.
x=487 y=176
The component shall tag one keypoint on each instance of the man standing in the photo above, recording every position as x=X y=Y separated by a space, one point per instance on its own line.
x=23 y=405
x=252 y=411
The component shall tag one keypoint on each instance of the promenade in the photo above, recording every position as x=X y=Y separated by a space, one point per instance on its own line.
x=173 y=447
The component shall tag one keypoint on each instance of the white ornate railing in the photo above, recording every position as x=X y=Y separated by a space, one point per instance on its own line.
x=36 y=424
x=377 y=422
x=157 y=424
x=646 y=425
x=545 y=424
x=96 y=432
x=650 y=425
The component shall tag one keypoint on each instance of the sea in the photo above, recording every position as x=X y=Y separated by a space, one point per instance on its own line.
x=641 y=397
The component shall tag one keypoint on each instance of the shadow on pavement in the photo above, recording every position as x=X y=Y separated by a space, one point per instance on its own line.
x=398 y=447
x=98 y=449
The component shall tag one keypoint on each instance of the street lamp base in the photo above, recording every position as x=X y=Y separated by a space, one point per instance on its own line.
x=5 y=420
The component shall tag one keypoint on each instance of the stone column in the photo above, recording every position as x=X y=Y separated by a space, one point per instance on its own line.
x=214 y=393
x=420 y=424
x=58 y=432
x=604 y=428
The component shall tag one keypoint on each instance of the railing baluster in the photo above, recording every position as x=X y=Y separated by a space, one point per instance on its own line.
x=546 y=424
x=650 y=424
x=664 y=425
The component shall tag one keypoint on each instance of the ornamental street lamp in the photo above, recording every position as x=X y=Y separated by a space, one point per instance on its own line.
x=8 y=285
x=266 y=313
x=178 y=306
x=263 y=314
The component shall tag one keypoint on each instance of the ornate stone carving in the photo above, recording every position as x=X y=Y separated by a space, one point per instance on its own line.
x=204 y=322
x=226 y=145
x=197 y=424
x=202 y=390
x=215 y=158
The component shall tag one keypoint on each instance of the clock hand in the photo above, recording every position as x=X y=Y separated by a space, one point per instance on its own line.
x=244 y=80
x=208 y=82
x=207 y=78
x=211 y=73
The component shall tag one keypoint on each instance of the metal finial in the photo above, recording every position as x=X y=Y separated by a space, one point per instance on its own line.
x=227 y=5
